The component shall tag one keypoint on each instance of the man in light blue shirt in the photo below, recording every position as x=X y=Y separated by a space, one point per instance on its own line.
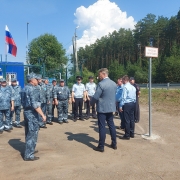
x=127 y=106
x=90 y=91
x=119 y=91
x=78 y=93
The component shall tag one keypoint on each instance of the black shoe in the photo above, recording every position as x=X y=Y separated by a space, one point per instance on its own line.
x=33 y=159
x=87 y=117
x=98 y=149
x=94 y=117
x=66 y=121
x=18 y=126
x=132 y=135
x=60 y=122
x=81 y=119
x=75 y=119
x=50 y=123
x=114 y=147
x=43 y=127
x=125 y=138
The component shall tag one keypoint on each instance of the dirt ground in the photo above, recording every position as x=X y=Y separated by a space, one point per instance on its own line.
x=66 y=152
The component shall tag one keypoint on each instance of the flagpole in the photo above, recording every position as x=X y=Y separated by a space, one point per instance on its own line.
x=4 y=73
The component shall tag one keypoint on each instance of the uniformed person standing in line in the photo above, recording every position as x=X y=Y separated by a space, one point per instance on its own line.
x=6 y=106
x=50 y=111
x=32 y=111
x=61 y=98
x=127 y=107
x=44 y=100
x=90 y=90
x=78 y=93
x=17 y=103
x=137 y=109
x=54 y=83
x=119 y=91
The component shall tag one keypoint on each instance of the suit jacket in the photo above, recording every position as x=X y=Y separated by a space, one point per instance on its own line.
x=104 y=96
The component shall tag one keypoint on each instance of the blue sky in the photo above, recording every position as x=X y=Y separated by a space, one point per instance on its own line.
x=61 y=17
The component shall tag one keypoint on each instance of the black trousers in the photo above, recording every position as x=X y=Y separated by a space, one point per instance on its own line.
x=137 y=111
x=129 y=118
x=88 y=108
x=78 y=106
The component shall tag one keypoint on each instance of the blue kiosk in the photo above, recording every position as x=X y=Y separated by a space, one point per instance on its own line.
x=9 y=70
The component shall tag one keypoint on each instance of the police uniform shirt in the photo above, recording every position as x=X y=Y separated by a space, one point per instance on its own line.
x=91 y=88
x=78 y=90
x=31 y=96
x=17 y=95
x=128 y=94
x=43 y=93
x=119 y=91
x=61 y=93
x=6 y=96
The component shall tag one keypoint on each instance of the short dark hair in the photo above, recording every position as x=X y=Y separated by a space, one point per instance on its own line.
x=125 y=78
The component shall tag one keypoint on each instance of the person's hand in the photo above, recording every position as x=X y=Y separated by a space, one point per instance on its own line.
x=53 y=103
x=85 y=99
x=69 y=101
x=56 y=102
x=12 y=108
x=73 y=100
x=88 y=98
x=48 y=102
x=120 y=109
x=44 y=118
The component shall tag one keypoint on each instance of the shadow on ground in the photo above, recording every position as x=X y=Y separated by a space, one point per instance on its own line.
x=18 y=145
x=84 y=139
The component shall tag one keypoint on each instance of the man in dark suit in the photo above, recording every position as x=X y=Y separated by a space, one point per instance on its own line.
x=104 y=98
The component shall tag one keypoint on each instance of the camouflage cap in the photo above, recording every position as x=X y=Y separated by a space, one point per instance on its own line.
x=39 y=76
x=31 y=76
x=3 y=80
x=46 y=78
x=13 y=79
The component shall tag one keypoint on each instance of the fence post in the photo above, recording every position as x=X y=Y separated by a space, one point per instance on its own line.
x=168 y=86
x=147 y=86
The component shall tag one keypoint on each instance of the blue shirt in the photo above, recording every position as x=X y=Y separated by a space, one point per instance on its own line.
x=90 y=88
x=128 y=94
x=78 y=90
x=119 y=91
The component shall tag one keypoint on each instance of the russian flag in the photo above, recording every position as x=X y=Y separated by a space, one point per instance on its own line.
x=12 y=48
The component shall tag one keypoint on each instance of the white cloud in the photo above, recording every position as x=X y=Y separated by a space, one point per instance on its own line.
x=99 y=19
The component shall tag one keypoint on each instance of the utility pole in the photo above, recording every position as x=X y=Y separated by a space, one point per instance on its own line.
x=76 y=59
x=27 y=57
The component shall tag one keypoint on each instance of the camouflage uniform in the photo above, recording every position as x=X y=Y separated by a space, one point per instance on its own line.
x=17 y=104
x=30 y=102
x=50 y=114
x=62 y=94
x=6 y=96
x=44 y=97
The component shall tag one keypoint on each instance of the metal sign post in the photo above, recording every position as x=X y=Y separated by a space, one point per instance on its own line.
x=150 y=52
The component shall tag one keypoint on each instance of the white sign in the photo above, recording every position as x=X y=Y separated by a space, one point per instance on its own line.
x=151 y=52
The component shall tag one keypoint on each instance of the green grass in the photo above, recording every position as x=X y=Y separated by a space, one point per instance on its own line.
x=167 y=101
